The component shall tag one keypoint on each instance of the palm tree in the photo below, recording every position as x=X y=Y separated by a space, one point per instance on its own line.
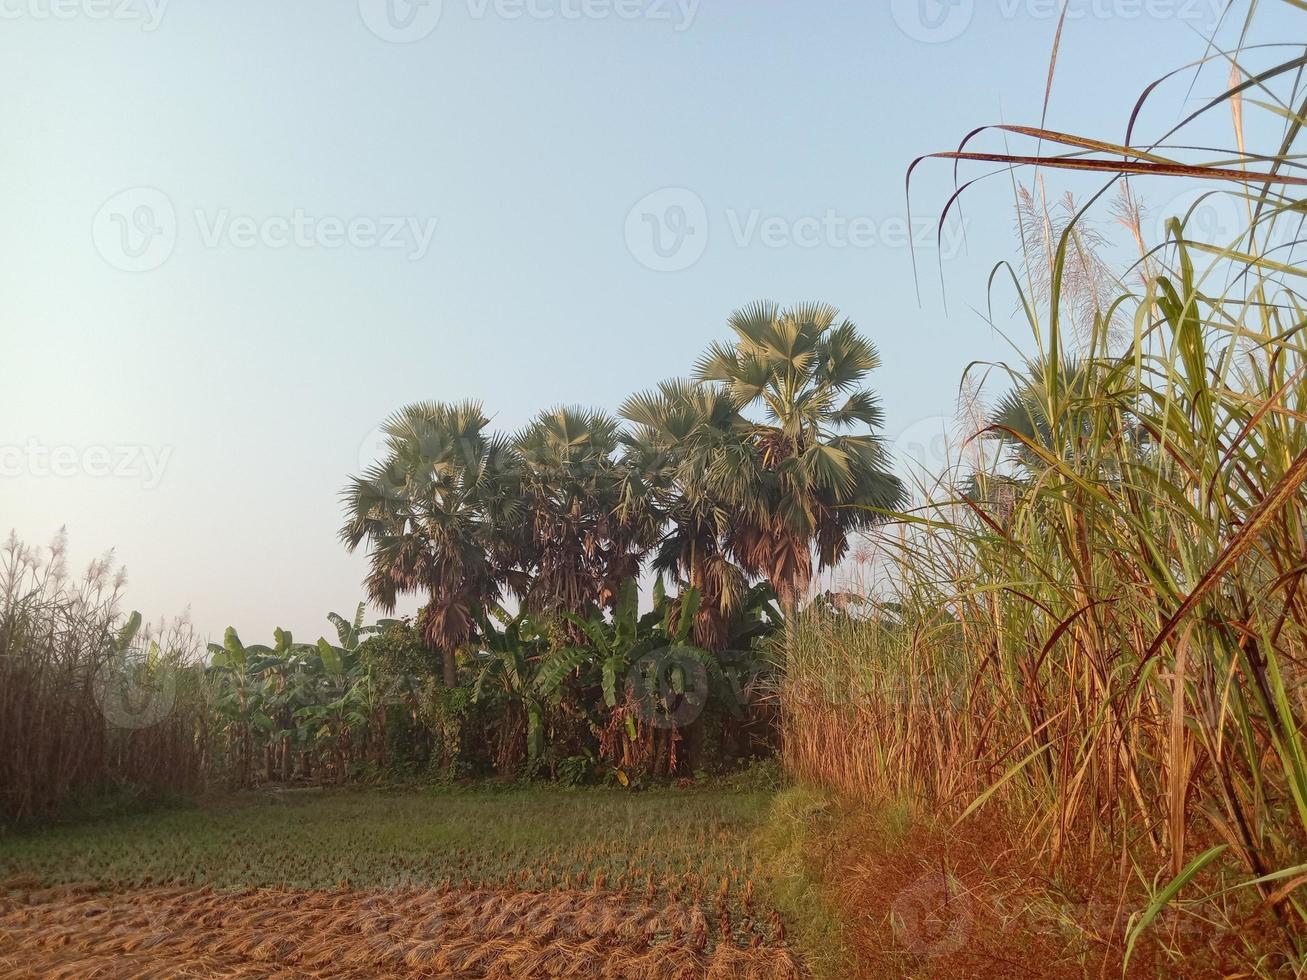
x=814 y=472
x=528 y=672
x=430 y=513
x=1023 y=419
x=1063 y=410
x=581 y=534
x=680 y=431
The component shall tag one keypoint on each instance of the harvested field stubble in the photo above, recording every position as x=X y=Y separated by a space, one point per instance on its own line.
x=82 y=932
x=399 y=884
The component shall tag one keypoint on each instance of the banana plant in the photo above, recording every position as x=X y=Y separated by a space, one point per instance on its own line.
x=290 y=696
x=352 y=633
x=508 y=660
x=660 y=681
x=629 y=636
x=746 y=661
x=122 y=640
x=645 y=663
x=134 y=686
x=283 y=669
x=257 y=690
x=342 y=667
x=517 y=661
x=334 y=723
x=339 y=662
x=238 y=696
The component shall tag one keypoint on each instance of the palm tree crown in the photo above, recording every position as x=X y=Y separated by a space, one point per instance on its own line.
x=817 y=473
x=680 y=430
x=580 y=536
x=429 y=512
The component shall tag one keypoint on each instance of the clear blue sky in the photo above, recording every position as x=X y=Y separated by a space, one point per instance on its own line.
x=257 y=357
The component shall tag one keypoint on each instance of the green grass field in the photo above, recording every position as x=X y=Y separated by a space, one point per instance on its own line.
x=317 y=839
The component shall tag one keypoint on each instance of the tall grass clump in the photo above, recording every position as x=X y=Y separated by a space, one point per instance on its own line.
x=1101 y=633
x=91 y=704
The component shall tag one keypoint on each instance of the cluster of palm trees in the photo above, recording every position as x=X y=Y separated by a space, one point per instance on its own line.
x=759 y=468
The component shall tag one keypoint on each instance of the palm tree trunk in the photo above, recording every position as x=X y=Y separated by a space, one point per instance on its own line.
x=450 y=668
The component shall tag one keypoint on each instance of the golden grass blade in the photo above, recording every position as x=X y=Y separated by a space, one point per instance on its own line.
x=1120 y=167
x=1245 y=538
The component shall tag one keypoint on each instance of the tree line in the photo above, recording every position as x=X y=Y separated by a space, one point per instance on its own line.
x=760 y=467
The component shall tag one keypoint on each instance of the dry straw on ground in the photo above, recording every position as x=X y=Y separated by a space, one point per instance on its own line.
x=87 y=932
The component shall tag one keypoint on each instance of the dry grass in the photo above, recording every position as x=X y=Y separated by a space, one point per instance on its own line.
x=87 y=932
x=1099 y=642
x=895 y=892
x=88 y=707
x=491 y=883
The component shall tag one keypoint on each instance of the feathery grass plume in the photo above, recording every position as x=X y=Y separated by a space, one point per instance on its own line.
x=93 y=703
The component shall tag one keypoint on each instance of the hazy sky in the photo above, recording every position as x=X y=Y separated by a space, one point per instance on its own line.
x=237 y=235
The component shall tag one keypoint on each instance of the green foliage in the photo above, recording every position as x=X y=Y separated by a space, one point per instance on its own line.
x=445 y=711
x=793 y=844
x=321 y=702
x=310 y=838
x=534 y=694
x=759 y=776
x=565 y=514
x=396 y=652
x=576 y=770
